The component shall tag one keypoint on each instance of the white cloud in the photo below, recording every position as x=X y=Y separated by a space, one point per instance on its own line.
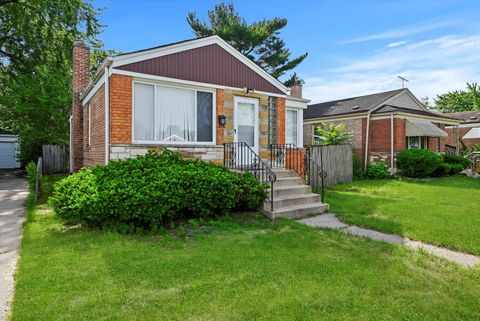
x=432 y=66
x=396 y=44
x=405 y=31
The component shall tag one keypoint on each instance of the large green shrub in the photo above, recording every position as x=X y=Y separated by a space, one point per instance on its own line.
x=377 y=170
x=446 y=169
x=454 y=159
x=418 y=162
x=151 y=190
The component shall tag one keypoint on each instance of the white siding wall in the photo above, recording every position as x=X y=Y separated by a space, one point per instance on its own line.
x=404 y=100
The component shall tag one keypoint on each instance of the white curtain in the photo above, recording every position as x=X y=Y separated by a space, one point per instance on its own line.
x=144 y=106
x=292 y=126
x=175 y=114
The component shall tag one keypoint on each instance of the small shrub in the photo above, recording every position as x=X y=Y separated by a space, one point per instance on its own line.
x=377 y=170
x=454 y=159
x=357 y=168
x=418 y=162
x=456 y=168
x=147 y=192
x=31 y=169
x=446 y=169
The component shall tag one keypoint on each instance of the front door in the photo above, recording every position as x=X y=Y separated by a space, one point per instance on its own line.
x=246 y=127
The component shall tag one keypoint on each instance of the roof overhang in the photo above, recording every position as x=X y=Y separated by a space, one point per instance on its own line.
x=295 y=102
x=423 y=128
x=472 y=133
x=133 y=57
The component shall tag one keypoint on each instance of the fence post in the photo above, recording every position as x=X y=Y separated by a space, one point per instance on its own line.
x=38 y=179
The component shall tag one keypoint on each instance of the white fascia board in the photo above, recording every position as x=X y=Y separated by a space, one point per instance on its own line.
x=181 y=81
x=93 y=90
x=98 y=76
x=334 y=118
x=428 y=118
x=295 y=103
x=197 y=43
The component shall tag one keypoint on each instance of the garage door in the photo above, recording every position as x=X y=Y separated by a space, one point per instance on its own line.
x=7 y=155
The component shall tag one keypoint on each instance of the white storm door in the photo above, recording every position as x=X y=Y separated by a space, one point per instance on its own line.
x=246 y=130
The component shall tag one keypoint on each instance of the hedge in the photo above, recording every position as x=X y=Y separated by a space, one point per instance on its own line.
x=151 y=190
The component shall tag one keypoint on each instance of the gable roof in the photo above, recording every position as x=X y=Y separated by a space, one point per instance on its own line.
x=350 y=105
x=389 y=109
x=467 y=117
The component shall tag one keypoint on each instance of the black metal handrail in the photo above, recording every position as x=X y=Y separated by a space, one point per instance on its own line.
x=452 y=150
x=289 y=156
x=239 y=156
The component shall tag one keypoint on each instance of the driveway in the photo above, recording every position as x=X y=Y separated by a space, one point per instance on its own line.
x=13 y=193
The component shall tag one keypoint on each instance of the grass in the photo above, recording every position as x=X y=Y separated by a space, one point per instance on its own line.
x=237 y=269
x=442 y=211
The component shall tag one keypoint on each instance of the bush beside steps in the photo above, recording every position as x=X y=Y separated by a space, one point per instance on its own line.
x=151 y=191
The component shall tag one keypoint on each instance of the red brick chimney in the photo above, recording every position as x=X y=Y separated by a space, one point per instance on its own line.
x=296 y=90
x=80 y=72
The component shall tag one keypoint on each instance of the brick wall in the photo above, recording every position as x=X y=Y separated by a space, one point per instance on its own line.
x=281 y=114
x=94 y=153
x=456 y=134
x=220 y=111
x=80 y=68
x=120 y=109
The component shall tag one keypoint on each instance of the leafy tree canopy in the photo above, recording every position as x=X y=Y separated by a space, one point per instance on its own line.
x=36 y=39
x=459 y=100
x=259 y=41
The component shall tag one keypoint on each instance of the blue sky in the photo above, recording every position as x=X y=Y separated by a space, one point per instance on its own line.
x=355 y=47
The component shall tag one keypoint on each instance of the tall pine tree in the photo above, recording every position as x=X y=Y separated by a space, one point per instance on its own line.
x=259 y=41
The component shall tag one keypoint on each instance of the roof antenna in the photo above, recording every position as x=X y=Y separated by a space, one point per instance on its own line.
x=403 y=81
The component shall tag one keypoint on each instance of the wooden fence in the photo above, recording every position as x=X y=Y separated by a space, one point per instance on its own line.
x=336 y=160
x=55 y=159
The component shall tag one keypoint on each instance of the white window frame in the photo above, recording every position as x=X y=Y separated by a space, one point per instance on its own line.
x=178 y=86
x=89 y=125
x=299 y=142
x=422 y=141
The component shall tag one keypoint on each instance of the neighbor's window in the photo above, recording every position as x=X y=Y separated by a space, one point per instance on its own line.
x=292 y=127
x=417 y=142
x=168 y=114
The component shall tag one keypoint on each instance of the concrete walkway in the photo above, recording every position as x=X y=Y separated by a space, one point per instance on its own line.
x=331 y=221
x=13 y=193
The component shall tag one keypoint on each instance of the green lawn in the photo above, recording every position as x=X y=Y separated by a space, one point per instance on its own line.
x=441 y=211
x=238 y=270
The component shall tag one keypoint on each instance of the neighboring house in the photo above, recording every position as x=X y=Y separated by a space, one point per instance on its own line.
x=382 y=124
x=191 y=96
x=467 y=132
x=9 y=148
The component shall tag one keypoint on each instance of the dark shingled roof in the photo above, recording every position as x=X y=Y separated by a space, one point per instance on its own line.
x=349 y=105
x=467 y=117
x=389 y=109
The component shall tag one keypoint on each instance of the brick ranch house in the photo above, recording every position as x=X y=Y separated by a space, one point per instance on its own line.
x=191 y=96
x=468 y=132
x=382 y=124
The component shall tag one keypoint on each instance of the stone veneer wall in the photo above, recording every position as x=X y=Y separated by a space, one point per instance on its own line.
x=211 y=153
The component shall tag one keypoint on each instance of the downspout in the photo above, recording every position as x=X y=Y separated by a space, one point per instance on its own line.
x=391 y=145
x=107 y=115
x=367 y=134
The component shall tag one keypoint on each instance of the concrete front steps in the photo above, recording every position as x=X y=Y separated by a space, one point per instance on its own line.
x=292 y=198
